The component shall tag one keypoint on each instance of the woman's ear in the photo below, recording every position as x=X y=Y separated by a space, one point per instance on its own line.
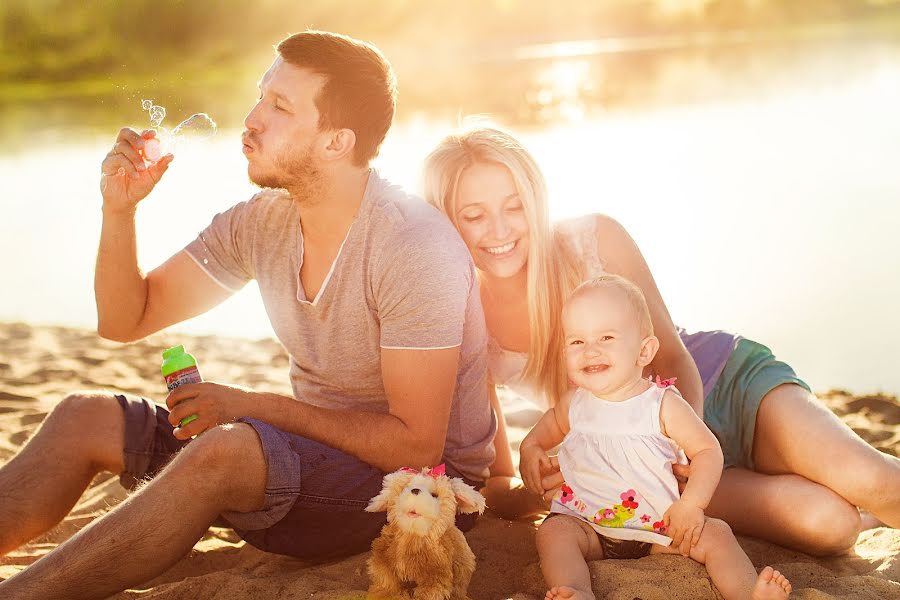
x=649 y=348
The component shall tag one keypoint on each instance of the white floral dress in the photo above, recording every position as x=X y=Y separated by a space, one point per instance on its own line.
x=618 y=466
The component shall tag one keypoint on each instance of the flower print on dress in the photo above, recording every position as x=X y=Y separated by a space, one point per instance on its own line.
x=629 y=499
x=617 y=516
x=566 y=495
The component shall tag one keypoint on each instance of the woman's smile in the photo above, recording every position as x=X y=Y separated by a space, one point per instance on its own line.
x=503 y=250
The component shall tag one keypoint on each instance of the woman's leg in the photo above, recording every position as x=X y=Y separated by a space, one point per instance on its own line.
x=789 y=510
x=812 y=473
x=795 y=433
x=564 y=545
x=508 y=498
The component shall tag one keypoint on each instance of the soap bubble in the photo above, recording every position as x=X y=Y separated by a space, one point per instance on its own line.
x=157 y=113
x=197 y=127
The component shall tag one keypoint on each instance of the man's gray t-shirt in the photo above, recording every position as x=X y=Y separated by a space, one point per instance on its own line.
x=402 y=279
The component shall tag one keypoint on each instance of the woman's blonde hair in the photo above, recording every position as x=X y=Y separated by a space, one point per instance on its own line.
x=552 y=271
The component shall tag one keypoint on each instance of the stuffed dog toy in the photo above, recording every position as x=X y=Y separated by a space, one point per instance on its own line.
x=420 y=544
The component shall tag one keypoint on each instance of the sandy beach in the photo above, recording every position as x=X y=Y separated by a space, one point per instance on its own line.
x=39 y=365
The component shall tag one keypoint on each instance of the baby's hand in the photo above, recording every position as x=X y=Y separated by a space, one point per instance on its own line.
x=684 y=522
x=533 y=462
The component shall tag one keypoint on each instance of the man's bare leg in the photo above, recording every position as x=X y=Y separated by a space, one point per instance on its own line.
x=222 y=470
x=82 y=436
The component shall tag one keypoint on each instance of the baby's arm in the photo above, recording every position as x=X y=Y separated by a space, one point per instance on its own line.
x=679 y=422
x=547 y=433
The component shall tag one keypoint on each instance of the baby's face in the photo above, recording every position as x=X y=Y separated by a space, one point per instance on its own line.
x=603 y=341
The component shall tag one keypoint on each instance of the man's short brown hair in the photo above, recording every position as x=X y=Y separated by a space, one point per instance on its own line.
x=360 y=88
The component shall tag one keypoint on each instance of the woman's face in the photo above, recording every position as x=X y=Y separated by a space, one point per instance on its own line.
x=491 y=219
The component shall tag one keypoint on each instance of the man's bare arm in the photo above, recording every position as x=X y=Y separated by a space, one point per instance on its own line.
x=419 y=385
x=131 y=305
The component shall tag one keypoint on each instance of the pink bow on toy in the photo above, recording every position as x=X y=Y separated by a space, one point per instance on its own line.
x=439 y=470
x=665 y=382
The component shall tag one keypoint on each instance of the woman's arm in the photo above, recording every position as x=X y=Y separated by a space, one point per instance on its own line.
x=533 y=459
x=503 y=463
x=621 y=256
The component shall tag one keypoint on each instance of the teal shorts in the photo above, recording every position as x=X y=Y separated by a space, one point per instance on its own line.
x=730 y=408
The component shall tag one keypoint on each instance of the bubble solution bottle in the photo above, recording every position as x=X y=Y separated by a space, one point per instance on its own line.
x=180 y=368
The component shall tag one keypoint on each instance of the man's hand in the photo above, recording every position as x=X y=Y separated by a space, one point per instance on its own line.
x=533 y=464
x=684 y=523
x=125 y=177
x=213 y=403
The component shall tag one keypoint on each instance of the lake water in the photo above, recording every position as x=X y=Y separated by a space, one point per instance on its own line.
x=775 y=214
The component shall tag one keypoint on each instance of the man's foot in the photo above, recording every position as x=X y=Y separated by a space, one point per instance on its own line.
x=771 y=585
x=564 y=592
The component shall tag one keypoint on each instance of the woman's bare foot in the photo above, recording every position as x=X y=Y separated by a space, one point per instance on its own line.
x=564 y=592
x=869 y=521
x=771 y=585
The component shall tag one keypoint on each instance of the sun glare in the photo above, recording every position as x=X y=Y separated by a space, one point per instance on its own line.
x=563 y=89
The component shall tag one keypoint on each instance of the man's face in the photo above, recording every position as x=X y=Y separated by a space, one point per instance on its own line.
x=282 y=134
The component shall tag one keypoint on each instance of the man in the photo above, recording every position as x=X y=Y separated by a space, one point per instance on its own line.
x=370 y=291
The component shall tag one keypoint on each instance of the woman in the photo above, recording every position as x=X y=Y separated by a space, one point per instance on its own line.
x=795 y=474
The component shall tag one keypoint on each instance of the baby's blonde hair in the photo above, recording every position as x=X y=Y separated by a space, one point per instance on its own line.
x=633 y=295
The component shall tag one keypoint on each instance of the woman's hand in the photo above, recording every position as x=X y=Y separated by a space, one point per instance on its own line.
x=212 y=403
x=508 y=498
x=684 y=522
x=533 y=463
x=552 y=480
x=682 y=473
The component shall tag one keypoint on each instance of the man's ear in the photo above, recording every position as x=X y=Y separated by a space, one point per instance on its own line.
x=649 y=348
x=339 y=143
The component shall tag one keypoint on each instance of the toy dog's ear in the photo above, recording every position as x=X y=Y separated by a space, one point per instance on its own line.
x=467 y=499
x=392 y=486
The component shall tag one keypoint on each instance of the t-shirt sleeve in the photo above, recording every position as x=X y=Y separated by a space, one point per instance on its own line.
x=224 y=249
x=423 y=289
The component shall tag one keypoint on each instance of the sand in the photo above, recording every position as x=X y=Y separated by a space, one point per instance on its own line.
x=39 y=365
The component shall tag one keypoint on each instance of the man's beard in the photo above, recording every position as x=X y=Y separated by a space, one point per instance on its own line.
x=296 y=172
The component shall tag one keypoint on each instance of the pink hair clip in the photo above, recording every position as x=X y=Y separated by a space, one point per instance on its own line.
x=437 y=471
x=665 y=382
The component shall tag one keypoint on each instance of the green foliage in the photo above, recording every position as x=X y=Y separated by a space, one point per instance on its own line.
x=62 y=47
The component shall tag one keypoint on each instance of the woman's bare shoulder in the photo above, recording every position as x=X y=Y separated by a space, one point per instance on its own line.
x=594 y=238
x=596 y=224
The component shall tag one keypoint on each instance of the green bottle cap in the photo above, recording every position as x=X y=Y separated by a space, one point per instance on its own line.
x=173 y=351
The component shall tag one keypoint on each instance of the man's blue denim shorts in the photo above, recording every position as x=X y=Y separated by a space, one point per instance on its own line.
x=315 y=495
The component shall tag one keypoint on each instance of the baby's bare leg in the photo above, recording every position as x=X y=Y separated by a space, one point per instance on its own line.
x=729 y=568
x=564 y=545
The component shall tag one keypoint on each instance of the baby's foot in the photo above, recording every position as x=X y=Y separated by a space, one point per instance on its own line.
x=771 y=585
x=564 y=592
